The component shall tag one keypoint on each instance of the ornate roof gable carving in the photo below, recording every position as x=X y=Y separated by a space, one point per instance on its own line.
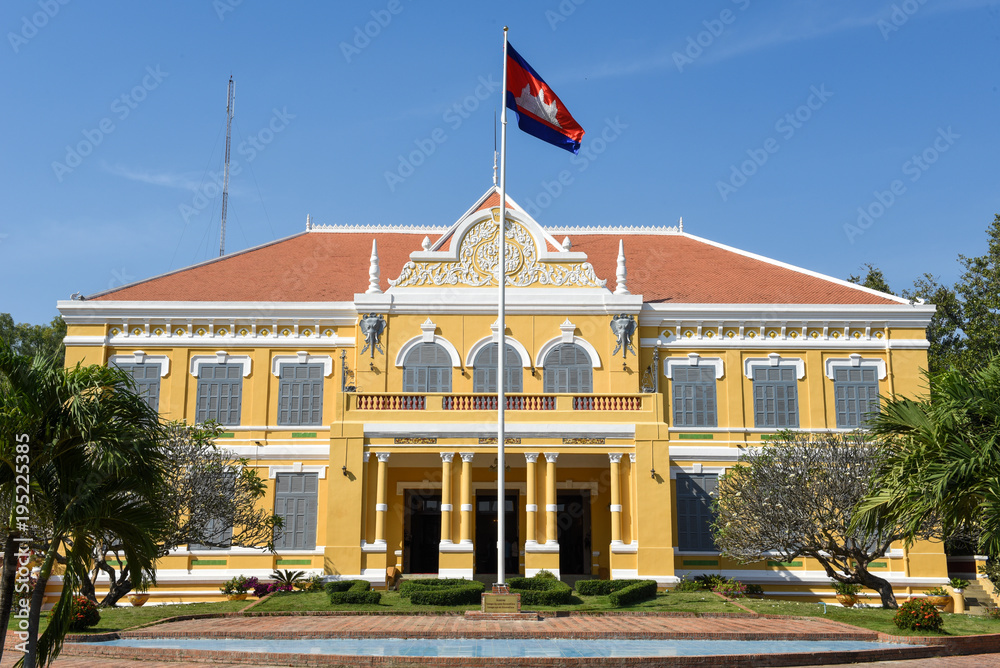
x=472 y=259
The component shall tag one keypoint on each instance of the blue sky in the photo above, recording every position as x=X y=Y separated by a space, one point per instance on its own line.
x=765 y=125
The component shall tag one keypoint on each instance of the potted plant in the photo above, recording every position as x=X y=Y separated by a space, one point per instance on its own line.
x=847 y=594
x=138 y=598
x=236 y=588
x=938 y=597
x=958 y=584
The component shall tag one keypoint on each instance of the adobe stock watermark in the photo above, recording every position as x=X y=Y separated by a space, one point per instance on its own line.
x=249 y=148
x=786 y=126
x=563 y=11
x=119 y=278
x=363 y=35
x=590 y=150
x=122 y=107
x=223 y=7
x=453 y=117
x=914 y=168
x=30 y=25
x=900 y=14
x=714 y=29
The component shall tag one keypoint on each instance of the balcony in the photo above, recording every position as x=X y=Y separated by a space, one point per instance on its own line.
x=464 y=403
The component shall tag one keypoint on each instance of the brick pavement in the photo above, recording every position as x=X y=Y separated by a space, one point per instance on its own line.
x=577 y=626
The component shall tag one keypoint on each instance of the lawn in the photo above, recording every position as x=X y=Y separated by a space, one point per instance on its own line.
x=127 y=616
x=393 y=602
x=875 y=619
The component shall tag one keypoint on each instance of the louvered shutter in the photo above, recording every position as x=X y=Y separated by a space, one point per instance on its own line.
x=694 y=396
x=147 y=382
x=567 y=368
x=295 y=501
x=300 y=395
x=694 y=511
x=775 y=394
x=427 y=368
x=856 y=396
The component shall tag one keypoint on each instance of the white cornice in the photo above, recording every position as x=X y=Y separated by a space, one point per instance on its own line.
x=840 y=345
x=88 y=312
x=529 y=301
x=379 y=229
x=486 y=429
x=209 y=342
x=892 y=315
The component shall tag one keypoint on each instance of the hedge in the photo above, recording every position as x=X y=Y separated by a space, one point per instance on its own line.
x=407 y=587
x=467 y=594
x=352 y=592
x=541 y=591
x=638 y=591
x=602 y=587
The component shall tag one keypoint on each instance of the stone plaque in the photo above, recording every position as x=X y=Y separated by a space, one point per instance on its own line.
x=502 y=603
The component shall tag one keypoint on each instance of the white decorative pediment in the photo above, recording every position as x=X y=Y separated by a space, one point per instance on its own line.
x=473 y=257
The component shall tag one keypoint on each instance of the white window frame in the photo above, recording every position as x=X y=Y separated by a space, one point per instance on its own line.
x=220 y=357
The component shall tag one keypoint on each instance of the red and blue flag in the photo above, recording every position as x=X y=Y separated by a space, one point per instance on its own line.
x=540 y=112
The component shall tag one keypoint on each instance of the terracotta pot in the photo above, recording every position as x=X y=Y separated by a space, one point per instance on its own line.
x=938 y=601
x=138 y=599
x=237 y=597
x=847 y=600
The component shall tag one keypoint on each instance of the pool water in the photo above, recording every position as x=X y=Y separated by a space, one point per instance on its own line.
x=512 y=647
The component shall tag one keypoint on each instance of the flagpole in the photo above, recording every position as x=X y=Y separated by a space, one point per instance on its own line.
x=501 y=324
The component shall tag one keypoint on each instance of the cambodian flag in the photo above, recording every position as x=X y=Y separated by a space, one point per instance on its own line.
x=540 y=112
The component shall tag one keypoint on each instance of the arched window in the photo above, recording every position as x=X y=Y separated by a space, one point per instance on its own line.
x=484 y=370
x=567 y=368
x=427 y=368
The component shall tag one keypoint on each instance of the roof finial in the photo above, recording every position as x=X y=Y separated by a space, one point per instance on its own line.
x=494 y=168
x=680 y=224
x=620 y=277
x=373 y=271
x=308 y=222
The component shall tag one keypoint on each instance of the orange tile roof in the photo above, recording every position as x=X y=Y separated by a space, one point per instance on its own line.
x=321 y=266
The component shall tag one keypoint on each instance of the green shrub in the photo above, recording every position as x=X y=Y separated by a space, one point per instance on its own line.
x=918 y=615
x=469 y=593
x=754 y=590
x=602 y=587
x=310 y=584
x=541 y=590
x=407 y=587
x=352 y=592
x=545 y=575
x=710 y=581
x=730 y=589
x=845 y=589
x=641 y=590
x=83 y=614
x=686 y=584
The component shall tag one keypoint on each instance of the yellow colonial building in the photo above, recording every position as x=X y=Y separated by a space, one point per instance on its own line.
x=355 y=368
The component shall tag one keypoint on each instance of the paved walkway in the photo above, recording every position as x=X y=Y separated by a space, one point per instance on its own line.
x=610 y=626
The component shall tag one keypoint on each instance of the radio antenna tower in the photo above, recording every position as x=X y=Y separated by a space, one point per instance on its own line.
x=230 y=108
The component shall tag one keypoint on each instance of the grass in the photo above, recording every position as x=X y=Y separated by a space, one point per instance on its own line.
x=393 y=602
x=127 y=616
x=875 y=619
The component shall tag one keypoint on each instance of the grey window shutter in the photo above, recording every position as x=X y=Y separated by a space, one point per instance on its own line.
x=427 y=368
x=485 y=370
x=694 y=396
x=295 y=502
x=855 y=395
x=567 y=368
x=219 y=393
x=300 y=395
x=775 y=395
x=147 y=382
x=694 y=511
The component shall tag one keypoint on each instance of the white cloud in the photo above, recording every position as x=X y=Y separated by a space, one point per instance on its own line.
x=183 y=181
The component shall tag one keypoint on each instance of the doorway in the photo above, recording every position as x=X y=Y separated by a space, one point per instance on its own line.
x=486 y=534
x=573 y=521
x=421 y=531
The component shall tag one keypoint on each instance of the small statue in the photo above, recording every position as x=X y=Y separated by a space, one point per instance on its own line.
x=372 y=326
x=624 y=328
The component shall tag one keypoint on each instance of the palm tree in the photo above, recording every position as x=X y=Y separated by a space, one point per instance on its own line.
x=94 y=466
x=944 y=457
